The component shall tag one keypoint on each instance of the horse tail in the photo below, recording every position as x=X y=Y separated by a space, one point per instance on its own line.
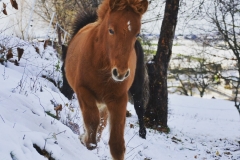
x=82 y=19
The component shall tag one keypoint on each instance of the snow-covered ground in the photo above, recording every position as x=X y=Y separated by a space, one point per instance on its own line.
x=199 y=128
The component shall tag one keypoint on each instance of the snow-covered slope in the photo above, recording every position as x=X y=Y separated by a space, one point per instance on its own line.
x=200 y=128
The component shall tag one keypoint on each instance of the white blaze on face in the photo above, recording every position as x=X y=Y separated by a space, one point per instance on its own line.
x=129 y=25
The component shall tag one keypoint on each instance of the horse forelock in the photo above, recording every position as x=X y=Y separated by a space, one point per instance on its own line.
x=136 y=6
x=102 y=10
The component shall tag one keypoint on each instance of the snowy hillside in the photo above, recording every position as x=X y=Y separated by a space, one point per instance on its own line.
x=205 y=129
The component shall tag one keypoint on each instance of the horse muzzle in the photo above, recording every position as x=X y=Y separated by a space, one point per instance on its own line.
x=120 y=76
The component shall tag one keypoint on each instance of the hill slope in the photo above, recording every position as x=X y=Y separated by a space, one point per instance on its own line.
x=200 y=128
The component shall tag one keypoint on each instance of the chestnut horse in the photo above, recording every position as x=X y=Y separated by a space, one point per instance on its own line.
x=139 y=91
x=100 y=67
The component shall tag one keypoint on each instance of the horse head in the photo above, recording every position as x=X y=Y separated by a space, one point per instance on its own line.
x=122 y=22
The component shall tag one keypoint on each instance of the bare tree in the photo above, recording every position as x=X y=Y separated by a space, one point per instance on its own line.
x=64 y=10
x=224 y=16
x=157 y=110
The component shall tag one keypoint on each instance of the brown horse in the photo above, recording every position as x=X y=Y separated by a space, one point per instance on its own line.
x=100 y=67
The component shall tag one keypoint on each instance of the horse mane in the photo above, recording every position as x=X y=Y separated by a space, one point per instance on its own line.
x=83 y=18
x=104 y=7
x=90 y=15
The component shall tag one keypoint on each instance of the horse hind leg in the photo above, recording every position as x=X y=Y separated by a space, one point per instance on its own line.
x=91 y=118
x=139 y=107
x=103 y=120
x=137 y=95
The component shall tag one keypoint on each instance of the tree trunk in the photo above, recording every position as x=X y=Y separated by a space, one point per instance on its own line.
x=156 y=115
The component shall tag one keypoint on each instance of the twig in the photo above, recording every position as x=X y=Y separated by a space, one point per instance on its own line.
x=45 y=142
x=60 y=132
x=52 y=137
x=37 y=76
x=40 y=102
x=4 y=73
x=131 y=138
x=130 y=156
x=21 y=81
x=2 y=119
x=135 y=155
x=135 y=148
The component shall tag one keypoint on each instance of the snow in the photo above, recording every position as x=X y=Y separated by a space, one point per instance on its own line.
x=199 y=128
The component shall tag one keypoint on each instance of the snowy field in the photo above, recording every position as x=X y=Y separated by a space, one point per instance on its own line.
x=204 y=129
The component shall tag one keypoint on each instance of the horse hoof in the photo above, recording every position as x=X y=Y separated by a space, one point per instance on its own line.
x=142 y=133
x=90 y=146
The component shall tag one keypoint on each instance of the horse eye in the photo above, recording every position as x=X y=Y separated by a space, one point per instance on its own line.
x=111 y=31
x=138 y=35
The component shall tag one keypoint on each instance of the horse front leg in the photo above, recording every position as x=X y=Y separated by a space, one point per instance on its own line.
x=103 y=122
x=91 y=117
x=117 y=117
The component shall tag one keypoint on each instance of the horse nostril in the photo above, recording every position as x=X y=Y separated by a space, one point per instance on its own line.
x=127 y=74
x=115 y=72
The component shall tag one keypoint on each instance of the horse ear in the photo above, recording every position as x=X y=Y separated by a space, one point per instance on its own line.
x=143 y=7
x=113 y=3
